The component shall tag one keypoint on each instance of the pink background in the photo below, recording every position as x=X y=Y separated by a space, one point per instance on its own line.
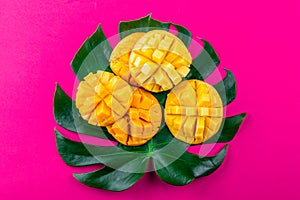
x=257 y=41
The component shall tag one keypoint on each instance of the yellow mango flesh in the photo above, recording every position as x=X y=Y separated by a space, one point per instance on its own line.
x=102 y=98
x=140 y=123
x=193 y=111
x=159 y=60
x=119 y=58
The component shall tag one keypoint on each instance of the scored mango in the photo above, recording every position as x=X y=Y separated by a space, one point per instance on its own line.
x=159 y=60
x=193 y=111
x=119 y=58
x=102 y=98
x=140 y=123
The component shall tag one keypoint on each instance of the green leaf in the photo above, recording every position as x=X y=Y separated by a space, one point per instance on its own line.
x=228 y=129
x=227 y=88
x=176 y=173
x=172 y=163
x=168 y=165
x=117 y=178
x=81 y=154
x=184 y=34
x=69 y=118
x=194 y=74
x=93 y=55
x=163 y=137
x=109 y=179
x=188 y=167
x=203 y=166
x=205 y=63
x=144 y=24
x=161 y=97
x=74 y=153
x=155 y=24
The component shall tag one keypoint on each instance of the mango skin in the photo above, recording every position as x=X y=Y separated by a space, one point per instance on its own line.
x=102 y=98
x=140 y=123
x=119 y=58
x=159 y=61
x=193 y=111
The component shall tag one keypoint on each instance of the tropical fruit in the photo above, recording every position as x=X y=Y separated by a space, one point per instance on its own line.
x=102 y=98
x=159 y=60
x=119 y=58
x=141 y=122
x=193 y=111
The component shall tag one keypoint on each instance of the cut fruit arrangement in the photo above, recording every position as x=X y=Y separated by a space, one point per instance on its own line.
x=141 y=122
x=149 y=96
x=193 y=111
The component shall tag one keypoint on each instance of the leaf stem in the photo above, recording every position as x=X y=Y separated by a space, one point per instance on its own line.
x=150 y=145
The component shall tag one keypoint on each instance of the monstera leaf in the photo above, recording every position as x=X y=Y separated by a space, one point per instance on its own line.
x=124 y=165
x=128 y=166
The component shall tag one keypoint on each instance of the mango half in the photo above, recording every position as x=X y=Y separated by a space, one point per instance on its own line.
x=193 y=111
x=119 y=58
x=159 y=60
x=102 y=98
x=140 y=123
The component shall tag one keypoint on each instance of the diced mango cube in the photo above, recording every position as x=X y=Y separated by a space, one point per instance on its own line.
x=119 y=58
x=198 y=118
x=142 y=120
x=98 y=95
x=158 y=47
